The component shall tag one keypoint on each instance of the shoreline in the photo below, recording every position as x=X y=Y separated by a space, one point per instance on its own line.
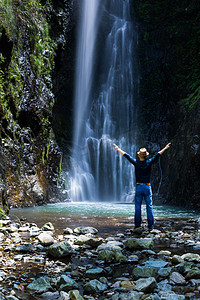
x=86 y=264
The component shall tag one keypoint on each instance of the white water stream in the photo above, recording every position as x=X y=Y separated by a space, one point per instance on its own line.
x=106 y=84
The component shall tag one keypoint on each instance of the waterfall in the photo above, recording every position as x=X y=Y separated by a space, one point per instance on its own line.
x=106 y=85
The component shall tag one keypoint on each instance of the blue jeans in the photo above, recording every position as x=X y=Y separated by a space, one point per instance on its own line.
x=143 y=191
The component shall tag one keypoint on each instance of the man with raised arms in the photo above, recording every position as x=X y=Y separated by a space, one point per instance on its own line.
x=143 y=185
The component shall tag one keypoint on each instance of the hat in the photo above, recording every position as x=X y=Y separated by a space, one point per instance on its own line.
x=143 y=152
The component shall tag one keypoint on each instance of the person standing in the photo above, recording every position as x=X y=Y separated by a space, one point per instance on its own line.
x=143 y=185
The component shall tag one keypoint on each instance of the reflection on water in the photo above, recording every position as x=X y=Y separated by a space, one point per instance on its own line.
x=104 y=216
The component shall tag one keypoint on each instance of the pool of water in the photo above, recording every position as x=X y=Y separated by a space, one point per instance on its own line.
x=106 y=217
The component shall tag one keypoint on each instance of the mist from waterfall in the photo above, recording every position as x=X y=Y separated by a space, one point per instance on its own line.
x=104 y=113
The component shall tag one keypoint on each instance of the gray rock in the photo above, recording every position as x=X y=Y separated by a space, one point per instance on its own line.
x=64 y=296
x=94 y=273
x=164 y=286
x=177 y=259
x=144 y=272
x=133 y=295
x=136 y=243
x=11 y=297
x=146 y=285
x=85 y=230
x=51 y=295
x=94 y=286
x=45 y=239
x=164 y=272
x=48 y=227
x=172 y=296
x=66 y=283
x=40 y=285
x=177 y=278
x=61 y=249
x=156 y=263
x=75 y=295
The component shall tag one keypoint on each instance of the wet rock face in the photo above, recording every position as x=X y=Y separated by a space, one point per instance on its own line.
x=30 y=157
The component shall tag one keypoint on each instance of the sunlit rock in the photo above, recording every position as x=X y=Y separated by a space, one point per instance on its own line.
x=45 y=239
x=146 y=285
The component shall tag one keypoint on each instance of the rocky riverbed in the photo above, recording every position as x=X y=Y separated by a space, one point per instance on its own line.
x=37 y=263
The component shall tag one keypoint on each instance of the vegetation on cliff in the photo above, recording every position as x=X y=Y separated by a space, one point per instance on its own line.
x=29 y=158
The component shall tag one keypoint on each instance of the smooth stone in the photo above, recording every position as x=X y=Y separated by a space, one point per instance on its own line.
x=88 y=240
x=85 y=230
x=164 y=253
x=156 y=263
x=45 y=239
x=94 y=273
x=191 y=257
x=127 y=285
x=177 y=278
x=66 y=283
x=75 y=295
x=40 y=285
x=94 y=286
x=48 y=227
x=68 y=231
x=136 y=243
x=61 y=249
x=176 y=259
x=146 y=285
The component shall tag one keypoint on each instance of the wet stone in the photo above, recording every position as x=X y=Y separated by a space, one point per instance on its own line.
x=146 y=285
x=94 y=286
x=75 y=295
x=94 y=273
x=136 y=243
x=65 y=283
x=144 y=272
x=177 y=278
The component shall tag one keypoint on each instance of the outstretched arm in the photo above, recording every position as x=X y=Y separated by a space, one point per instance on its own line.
x=164 y=149
x=118 y=149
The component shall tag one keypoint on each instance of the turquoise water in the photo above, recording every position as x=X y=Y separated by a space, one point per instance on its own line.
x=103 y=216
x=101 y=209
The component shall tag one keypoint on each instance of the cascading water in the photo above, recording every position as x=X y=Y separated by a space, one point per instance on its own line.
x=106 y=83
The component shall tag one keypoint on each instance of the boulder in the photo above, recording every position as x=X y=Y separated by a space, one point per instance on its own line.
x=156 y=263
x=45 y=239
x=142 y=243
x=66 y=283
x=60 y=249
x=146 y=285
x=193 y=273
